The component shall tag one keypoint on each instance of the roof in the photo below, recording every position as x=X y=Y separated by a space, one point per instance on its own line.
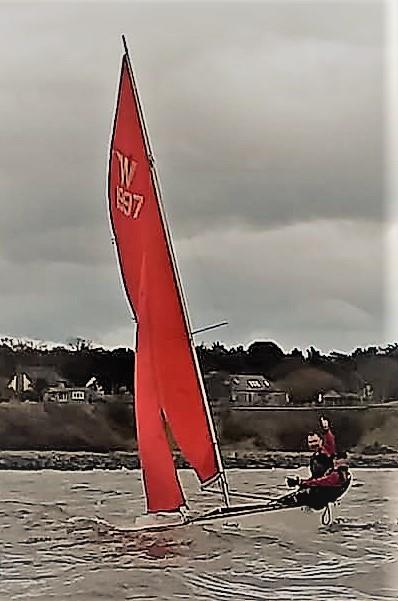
x=255 y=383
x=61 y=390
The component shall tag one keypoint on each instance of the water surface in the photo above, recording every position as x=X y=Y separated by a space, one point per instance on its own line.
x=62 y=538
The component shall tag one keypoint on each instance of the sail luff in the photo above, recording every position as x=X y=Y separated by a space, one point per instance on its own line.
x=112 y=227
x=176 y=274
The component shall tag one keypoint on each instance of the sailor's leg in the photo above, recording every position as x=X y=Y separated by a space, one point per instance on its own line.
x=293 y=499
x=305 y=497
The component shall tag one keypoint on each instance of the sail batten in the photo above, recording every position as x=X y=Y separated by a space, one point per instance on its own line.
x=168 y=383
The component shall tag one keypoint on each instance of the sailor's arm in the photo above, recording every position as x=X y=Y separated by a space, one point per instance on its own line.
x=329 y=442
x=332 y=479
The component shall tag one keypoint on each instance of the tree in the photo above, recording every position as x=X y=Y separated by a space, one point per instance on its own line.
x=263 y=356
x=41 y=385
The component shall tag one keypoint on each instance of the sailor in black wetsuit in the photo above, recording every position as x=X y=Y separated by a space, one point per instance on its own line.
x=324 y=449
x=330 y=477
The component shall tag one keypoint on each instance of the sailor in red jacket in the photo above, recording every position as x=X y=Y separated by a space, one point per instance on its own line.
x=329 y=478
x=324 y=449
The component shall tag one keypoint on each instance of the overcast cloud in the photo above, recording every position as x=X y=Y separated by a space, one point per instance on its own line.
x=267 y=125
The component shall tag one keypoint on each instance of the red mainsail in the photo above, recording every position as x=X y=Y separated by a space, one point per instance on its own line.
x=167 y=383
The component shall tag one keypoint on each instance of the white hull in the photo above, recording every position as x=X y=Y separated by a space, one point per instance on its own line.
x=159 y=521
x=295 y=519
x=280 y=523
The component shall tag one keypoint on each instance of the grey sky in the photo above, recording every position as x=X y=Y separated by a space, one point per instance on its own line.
x=267 y=125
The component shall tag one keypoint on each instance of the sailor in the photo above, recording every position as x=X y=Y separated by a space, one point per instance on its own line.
x=324 y=449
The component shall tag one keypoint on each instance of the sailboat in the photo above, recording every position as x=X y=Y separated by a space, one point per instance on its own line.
x=169 y=394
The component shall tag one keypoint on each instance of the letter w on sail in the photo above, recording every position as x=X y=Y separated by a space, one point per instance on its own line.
x=127 y=169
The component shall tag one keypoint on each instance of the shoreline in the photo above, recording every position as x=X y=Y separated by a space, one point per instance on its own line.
x=116 y=460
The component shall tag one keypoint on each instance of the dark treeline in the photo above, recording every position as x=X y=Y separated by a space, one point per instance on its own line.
x=301 y=373
x=306 y=374
x=114 y=369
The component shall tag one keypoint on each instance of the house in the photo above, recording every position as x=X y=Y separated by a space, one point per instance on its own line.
x=70 y=394
x=332 y=398
x=241 y=391
x=255 y=391
x=35 y=377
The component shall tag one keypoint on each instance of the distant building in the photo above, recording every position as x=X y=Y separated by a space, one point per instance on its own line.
x=332 y=398
x=20 y=382
x=242 y=391
x=45 y=383
x=71 y=394
x=255 y=391
x=34 y=378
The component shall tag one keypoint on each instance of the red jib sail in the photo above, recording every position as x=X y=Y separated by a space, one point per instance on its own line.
x=167 y=383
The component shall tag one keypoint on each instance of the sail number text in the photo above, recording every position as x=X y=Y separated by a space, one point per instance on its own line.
x=129 y=203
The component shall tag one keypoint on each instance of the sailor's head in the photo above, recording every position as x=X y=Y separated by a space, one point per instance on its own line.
x=314 y=441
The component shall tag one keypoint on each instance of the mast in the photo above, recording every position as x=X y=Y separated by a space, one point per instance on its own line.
x=157 y=188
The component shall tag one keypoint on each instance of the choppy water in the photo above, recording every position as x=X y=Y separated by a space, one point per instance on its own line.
x=46 y=553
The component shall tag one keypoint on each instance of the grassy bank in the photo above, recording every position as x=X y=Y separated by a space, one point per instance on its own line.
x=109 y=426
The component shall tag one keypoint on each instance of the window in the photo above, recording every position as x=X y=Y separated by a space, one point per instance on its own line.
x=254 y=384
